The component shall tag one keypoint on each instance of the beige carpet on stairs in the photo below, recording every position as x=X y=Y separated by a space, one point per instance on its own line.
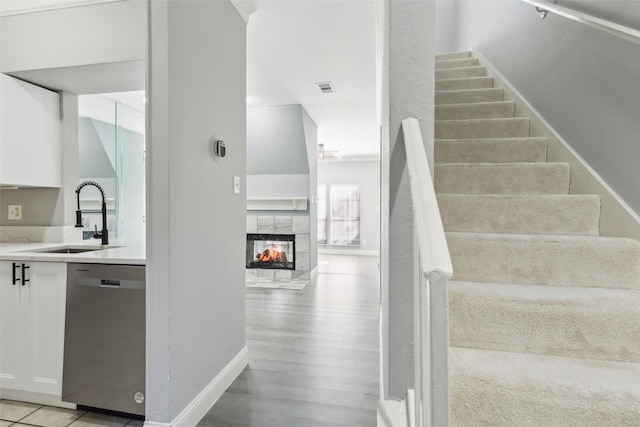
x=544 y=313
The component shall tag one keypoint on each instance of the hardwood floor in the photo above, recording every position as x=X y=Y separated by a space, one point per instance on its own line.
x=313 y=353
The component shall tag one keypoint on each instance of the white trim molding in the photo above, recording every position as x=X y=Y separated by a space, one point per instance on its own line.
x=245 y=8
x=337 y=251
x=199 y=406
x=22 y=7
x=277 y=203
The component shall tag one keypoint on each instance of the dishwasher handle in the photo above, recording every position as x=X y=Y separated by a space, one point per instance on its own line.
x=102 y=282
x=109 y=283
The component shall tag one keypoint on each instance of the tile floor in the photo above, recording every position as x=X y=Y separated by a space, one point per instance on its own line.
x=16 y=414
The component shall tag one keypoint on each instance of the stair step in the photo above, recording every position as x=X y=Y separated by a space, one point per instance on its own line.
x=494 y=388
x=468 y=95
x=456 y=63
x=452 y=55
x=587 y=261
x=591 y=323
x=494 y=150
x=460 y=73
x=517 y=127
x=481 y=110
x=531 y=214
x=502 y=178
x=469 y=83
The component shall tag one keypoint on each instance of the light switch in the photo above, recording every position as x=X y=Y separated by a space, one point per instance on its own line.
x=236 y=185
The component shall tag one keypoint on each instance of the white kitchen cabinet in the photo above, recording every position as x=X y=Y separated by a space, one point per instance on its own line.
x=32 y=326
x=29 y=135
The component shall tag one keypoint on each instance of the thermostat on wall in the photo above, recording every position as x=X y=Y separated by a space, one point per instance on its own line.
x=218 y=148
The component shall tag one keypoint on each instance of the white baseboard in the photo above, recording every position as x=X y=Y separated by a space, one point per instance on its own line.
x=361 y=252
x=156 y=424
x=199 y=406
x=392 y=413
x=617 y=218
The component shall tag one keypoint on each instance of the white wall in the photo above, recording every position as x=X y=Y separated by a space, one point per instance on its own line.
x=276 y=140
x=367 y=175
x=196 y=227
x=410 y=71
x=445 y=26
x=583 y=81
x=96 y=34
x=278 y=185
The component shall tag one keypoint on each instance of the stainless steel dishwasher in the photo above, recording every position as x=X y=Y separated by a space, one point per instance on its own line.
x=104 y=342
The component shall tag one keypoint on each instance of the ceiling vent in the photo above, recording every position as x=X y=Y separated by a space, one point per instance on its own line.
x=326 y=87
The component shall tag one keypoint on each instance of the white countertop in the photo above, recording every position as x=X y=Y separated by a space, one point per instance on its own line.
x=117 y=252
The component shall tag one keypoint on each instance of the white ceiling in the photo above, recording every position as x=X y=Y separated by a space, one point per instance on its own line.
x=291 y=45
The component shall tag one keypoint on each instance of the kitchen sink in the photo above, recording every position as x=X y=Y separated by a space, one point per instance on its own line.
x=72 y=249
x=68 y=250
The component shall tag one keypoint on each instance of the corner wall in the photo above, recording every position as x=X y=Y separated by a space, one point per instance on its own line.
x=196 y=225
x=276 y=140
x=584 y=82
x=410 y=70
x=311 y=138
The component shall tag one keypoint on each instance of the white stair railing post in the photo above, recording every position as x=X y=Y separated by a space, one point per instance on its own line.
x=436 y=320
x=434 y=270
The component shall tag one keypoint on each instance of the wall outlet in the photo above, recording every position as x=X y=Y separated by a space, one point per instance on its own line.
x=15 y=212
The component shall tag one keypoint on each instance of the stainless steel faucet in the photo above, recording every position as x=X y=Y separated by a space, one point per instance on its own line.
x=104 y=234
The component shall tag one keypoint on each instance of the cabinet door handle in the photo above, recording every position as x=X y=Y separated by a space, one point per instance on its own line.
x=24 y=275
x=14 y=279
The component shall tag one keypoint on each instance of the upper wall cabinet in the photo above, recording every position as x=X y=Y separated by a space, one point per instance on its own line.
x=29 y=135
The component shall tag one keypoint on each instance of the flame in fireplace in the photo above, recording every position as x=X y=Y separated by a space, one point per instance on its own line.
x=272 y=253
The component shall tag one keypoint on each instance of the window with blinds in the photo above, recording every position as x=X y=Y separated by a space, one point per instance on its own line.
x=339 y=214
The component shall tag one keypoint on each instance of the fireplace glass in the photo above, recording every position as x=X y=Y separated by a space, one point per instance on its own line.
x=272 y=251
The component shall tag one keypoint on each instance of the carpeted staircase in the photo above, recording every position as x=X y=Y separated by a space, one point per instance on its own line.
x=544 y=313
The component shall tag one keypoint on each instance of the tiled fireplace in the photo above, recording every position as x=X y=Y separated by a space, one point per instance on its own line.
x=279 y=233
x=271 y=251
